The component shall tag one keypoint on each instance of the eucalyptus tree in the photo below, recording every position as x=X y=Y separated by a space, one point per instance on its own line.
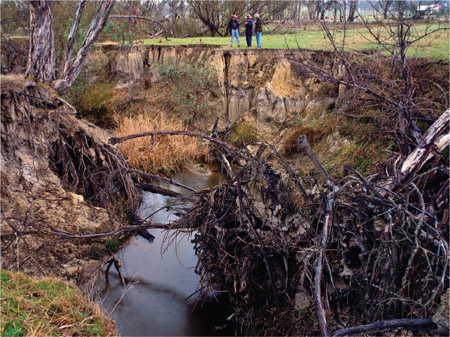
x=41 y=57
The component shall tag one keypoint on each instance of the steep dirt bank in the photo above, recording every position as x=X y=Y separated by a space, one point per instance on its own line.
x=55 y=173
x=257 y=85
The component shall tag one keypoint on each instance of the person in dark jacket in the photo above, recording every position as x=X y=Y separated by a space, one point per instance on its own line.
x=233 y=27
x=249 y=30
x=258 y=30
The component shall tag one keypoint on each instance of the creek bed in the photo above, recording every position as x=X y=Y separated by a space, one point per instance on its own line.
x=158 y=302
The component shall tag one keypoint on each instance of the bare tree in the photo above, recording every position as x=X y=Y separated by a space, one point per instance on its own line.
x=388 y=81
x=215 y=14
x=211 y=13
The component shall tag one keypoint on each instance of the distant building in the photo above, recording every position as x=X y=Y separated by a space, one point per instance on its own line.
x=435 y=7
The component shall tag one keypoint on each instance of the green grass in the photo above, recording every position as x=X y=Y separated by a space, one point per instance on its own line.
x=47 y=307
x=436 y=46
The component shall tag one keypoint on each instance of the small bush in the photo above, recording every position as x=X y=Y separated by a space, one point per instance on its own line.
x=243 y=133
x=192 y=84
x=161 y=153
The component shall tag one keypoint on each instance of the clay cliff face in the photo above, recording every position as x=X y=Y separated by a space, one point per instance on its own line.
x=257 y=85
x=40 y=200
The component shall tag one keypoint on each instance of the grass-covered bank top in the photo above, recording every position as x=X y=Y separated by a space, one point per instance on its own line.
x=48 y=307
x=436 y=45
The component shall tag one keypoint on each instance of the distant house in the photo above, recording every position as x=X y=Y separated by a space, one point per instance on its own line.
x=433 y=8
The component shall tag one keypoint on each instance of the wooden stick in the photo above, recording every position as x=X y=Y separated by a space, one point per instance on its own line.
x=321 y=315
x=303 y=144
x=380 y=326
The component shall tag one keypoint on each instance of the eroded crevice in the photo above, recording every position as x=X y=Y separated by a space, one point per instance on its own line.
x=226 y=83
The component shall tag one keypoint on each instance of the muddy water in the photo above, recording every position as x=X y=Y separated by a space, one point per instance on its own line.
x=157 y=303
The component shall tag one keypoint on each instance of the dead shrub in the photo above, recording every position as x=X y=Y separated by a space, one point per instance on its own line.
x=160 y=153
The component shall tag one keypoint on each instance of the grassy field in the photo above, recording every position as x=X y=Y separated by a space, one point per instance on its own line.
x=436 y=46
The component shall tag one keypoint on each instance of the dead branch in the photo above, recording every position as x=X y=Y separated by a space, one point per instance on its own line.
x=217 y=141
x=421 y=154
x=304 y=145
x=321 y=315
x=381 y=326
x=118 y=265
x=158 y=190
x=161 y=178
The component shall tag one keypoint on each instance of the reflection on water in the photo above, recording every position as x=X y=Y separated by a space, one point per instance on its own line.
x=156 y=303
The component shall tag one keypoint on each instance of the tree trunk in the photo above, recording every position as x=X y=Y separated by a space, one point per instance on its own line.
x=98 y=23
x=352 y=10
x=71 y=40
x=41 y=56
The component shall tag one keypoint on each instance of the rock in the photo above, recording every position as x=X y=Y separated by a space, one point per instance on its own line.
x=302 y=301
x=72 y=270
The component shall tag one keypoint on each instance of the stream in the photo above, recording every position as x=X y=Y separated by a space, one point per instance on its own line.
x=158 y=301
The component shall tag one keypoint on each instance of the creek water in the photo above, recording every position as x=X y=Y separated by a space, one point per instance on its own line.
x=157 y=302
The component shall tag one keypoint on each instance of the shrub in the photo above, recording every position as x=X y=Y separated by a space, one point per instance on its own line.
x=243 y=133
x=160 y=153
x=192 y=84
x=92 y=102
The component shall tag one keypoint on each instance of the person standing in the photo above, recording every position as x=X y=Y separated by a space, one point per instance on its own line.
x=233 y=27
x=249 y=30
x=258 y=30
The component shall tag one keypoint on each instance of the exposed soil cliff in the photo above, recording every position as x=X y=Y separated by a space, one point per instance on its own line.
x=54 y=169
x=256 y=85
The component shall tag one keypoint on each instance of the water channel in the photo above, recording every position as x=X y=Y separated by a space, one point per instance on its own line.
x=158 y=302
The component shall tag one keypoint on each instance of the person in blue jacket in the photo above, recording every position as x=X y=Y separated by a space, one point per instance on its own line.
x=249 y=30
x=233 y=27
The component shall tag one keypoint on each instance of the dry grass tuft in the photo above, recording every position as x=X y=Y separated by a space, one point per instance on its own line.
x=161 y=153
